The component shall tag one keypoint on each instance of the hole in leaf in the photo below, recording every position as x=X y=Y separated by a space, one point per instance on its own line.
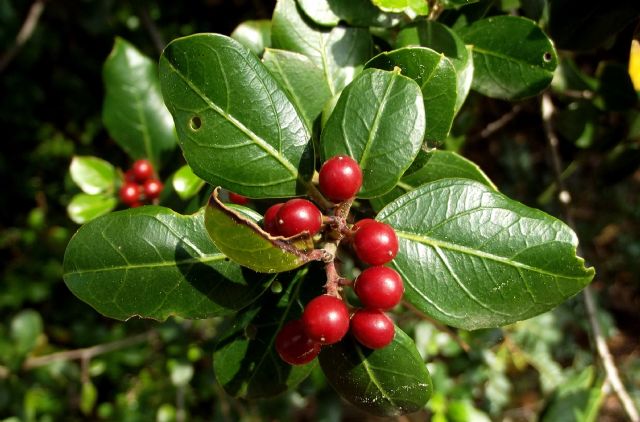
x=195 y=123
x=546 y=57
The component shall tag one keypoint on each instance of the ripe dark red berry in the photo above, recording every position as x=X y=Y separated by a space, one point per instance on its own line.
x=152 y=188
x=298 y=215
x=293 y=345
x=361 y=223
x=142 y=170
x=326 y=319
x=372 y=328
x=379 y=288
x=129 y=176
x=130 y=193
x=269 y=222
x=238 y=199
x=375 y=243
x=340 y=178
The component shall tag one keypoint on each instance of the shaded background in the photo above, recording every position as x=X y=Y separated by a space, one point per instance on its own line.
x=50 y=103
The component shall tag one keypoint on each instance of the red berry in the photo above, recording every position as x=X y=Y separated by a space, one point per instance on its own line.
x=293 y=345
x=375 y=243
x=379 y=288
x=130 y=193
x=361 y=223
x=340 y=178
x=269 y=221
x=129 y=176
x=372 y=328
x=297 y=216
x=152 y=188
x=238 y=199
x=142 y=170
x=326 y=319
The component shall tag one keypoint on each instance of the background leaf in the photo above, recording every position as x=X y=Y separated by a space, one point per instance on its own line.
x=436 y=77
x=26 y=327
x=243 y=241
x=340 y=52
x=92 y=174
x=186 y=183
x=84 y=208
x=353 y=12
x=513 y=58
x=243 y=134
x=245 y=361
x=302 y=79
x=254 y=34
x=385 y=382
x=152 y=263
x=378 y=121
x=319 y=11
x=442 y=39
x=472 y=258
x=418 y=7
x=133 y=110
x=429 y=167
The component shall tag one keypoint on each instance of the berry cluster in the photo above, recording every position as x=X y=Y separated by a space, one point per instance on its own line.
x=140 y=184
x=326 y=319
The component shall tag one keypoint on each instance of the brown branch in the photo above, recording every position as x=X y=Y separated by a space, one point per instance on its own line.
x=564 y=198
x=498 y=124
x=26 y=31
x=87 y=353
x=152 y=28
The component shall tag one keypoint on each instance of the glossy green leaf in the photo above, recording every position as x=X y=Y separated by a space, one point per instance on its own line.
x=236 y=126
x=442 y=39
x=340 y=52
x=353 y=12
x=302 y=79
x=186 y=183
x=319 y=11
x=26 y=327
x=386 y=382
x=513 y=58
x=133 y=111
x=254 y=34
x=243 y=241
x=92 y=174
x=431 y=166
x=245 y=361
x=590 y=25
x=84 y=208
x=379 y=121
x=472 y=258
x=418 y=7
x=436 y=77
x=152 y=262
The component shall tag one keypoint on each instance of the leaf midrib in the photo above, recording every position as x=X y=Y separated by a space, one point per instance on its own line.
x=257 y=140
x=509 y=58
x=435 y=243
x=373 y=378
x=202 y=260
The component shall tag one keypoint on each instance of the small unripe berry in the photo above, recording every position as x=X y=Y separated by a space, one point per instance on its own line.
x=269 y=222
x=340 y=178
x=375 y=243
x=326 y=319
x=142 y=170
x=293 y=345
x=130 y=193
x=379 y=288
x=372 y=328
x=238 y=199
x=298 y=215
x=152 y=188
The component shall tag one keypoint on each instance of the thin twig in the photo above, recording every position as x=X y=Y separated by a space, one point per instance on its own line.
x=152 y=28
x=565 y=200
x=87 y=352
x=26 y=31
x=498 y=124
